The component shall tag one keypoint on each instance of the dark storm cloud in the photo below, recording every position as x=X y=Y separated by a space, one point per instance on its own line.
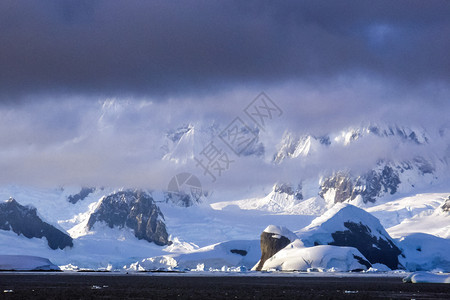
x=170 y=47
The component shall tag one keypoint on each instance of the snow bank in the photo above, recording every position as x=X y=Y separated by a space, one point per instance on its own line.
x=214 y=257
x=295 y=257
x=425 y=252
x=419 y=213
x=426 y=277
x=26 y=263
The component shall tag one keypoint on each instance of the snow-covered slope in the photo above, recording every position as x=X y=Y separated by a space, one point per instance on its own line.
x=26 y=263
x=424 y=252
x=419 y=213
x=277 y=203
x=198 y=233
x=102 y=247
x=221 y=256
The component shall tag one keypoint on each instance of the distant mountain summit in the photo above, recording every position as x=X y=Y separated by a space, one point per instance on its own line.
x=185 y=142
x=387 y=177
x=293 y=145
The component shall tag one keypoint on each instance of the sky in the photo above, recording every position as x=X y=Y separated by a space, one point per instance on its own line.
x=88 y=89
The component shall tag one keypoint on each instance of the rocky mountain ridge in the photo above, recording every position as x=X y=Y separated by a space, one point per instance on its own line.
x=134 y=209
x=24 y=220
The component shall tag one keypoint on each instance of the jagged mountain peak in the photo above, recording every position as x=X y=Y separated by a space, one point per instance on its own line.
x=185 y=142
x=176 y=134
x=293 y=145
x=409 y=134
x=289 y=189
x=384 y=179
x=180 y=144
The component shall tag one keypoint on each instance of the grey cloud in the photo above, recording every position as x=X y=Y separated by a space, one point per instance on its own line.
x=168 y=48
x=102 y=81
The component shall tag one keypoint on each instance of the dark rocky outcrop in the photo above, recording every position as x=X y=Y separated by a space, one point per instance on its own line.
x=405 y=134
x=348 y=226
x=446 y=206
x=383 y=179
x=81 y=195
x=369 y=186
x=362 y=261
x=24 y=220
x=136 y=210
x=270 y=244
x=288 y=189
x=343 y=185
x=375 y=249
x=238 y=251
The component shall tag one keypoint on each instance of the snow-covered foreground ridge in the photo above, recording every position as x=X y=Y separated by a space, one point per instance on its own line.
x=121 y=232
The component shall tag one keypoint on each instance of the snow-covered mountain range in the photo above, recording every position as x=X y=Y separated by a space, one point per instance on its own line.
x=395 y=208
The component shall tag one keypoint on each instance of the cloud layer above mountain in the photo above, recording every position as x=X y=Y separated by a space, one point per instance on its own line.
x=170 y=47
x=88 y=89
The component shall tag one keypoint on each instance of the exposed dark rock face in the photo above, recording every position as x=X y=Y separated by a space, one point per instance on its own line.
x=81 y=195
x=289 y=190
x=405 y=134
x=376 y=250
x=424 y=166
x=362 y=261
x=346 y=225
x=24 y=220
x=369 y=186
x=136 y=210
x=446 y=206
x=384 y=179
x=324 y=140
x=269 y=246
x=343 y=185
x=374 y=183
